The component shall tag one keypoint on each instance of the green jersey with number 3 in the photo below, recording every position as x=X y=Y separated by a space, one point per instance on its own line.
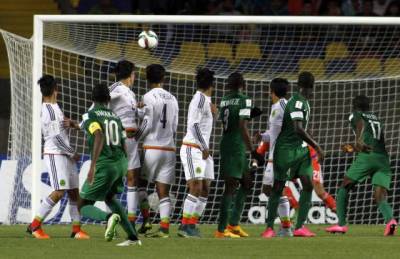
x=297 y=108
x=372 y=135
x=234 y=107
x=99 y=117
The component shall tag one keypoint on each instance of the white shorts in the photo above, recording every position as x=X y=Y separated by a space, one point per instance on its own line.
x=133 y=154
x=63 y=172
x=194 y=165
x=159 y=166
x=268 y=178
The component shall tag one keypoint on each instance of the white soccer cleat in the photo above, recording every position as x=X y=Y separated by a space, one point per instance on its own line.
x=130 y=243
x=111 y=225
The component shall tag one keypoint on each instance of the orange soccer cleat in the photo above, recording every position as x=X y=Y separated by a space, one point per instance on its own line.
x=80 y=235
x=225 y=234
x=237 y=230
x=40 y=234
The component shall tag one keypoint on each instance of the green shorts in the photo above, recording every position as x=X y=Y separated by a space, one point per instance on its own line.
x=233 y=164
x=375 y=165
x=292 y=163
x=108 y=179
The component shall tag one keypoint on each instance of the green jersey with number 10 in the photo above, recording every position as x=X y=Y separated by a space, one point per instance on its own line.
x=99 y=117
x=372 y=135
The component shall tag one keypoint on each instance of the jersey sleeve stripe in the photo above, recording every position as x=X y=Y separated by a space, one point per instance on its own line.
x=64 y=146
x=201 y=102
x=142 y=129
x=199 y=136
x=296 y=115
x=113 y=86
x=244 y=112
x=283 y=104
x=51 y=112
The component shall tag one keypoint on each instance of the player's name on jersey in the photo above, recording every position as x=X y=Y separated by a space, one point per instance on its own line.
x=370 y=116
x=105 y=114
x=230 y=102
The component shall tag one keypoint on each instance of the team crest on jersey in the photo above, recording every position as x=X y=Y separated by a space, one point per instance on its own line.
x=198 y=170
x=273 y=113
x=62 y=182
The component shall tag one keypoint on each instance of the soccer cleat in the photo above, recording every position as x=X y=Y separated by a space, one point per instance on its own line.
x=80 y=235
x=39 y=234
x=130 y=243
x=337 y=229
x=111 y=225
x=237 y=230
x=303 y=232
x=158 y=234
x=225 y=234
x=146 y=226
x=285 y=232
x=268 y=233
x=390 y=228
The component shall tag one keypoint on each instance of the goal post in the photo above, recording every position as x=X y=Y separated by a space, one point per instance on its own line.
x=275 y=46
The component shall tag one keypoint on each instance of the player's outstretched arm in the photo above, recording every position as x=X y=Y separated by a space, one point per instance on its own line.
x=298 y=127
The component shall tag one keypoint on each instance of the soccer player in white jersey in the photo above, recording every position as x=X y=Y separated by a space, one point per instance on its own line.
x=278 y=91
x=60 y=160
x=195 y=153
x=158 y=130
x=123 y=103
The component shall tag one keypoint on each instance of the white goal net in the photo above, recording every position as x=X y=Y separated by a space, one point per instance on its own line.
x=346 y=59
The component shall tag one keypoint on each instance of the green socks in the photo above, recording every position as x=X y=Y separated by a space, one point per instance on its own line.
x=273 y=204
x=92 y=212
x=342 y=202
x=117 y=208
x=224 y=209
x=304 y=206
x=238 y=206
x=386 y=210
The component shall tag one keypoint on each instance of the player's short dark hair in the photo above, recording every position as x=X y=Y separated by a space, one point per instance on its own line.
x=306 y=80
x=204 y=78
x=123 y=69
x=47 y=85
x=279 y=86
x=155 y=73
x=235 y=81
x=361 y=102
x=101 y=93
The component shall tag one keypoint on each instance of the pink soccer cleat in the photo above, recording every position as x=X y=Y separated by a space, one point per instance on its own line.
x=268 y=233
x=390 y=228
x=337 y=229
x=303 y=232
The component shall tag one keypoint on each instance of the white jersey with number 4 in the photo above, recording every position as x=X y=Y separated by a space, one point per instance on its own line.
x=274 y=128
x=158 y=131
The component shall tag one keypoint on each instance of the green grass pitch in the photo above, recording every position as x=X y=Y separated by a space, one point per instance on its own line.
x=361 y=241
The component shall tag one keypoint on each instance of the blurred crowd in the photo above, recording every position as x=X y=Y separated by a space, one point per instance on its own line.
x=241 y=7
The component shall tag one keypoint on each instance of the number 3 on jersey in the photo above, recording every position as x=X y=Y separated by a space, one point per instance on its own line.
x=225 y=119
x=163 y=117
x=112 y=130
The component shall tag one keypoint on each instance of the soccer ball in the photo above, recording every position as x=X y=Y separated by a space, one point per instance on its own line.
x=148 y=40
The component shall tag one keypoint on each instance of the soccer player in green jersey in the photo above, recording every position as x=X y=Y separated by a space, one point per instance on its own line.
x=108 y=166
x=372 y=160
x=292 y=156
x=235 y=110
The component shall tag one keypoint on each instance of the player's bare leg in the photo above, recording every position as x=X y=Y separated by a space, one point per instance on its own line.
x=132 y=199
x=304 y=207
x=231 y=185
x=35 y=228
x=342 y=203
x=165 y=211
x=380 y=195
x=190 y=203
x=77 y=232
x=246 y=183
x=324 y=196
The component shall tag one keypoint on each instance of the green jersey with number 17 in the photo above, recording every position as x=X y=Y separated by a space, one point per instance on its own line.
x=372 y=135
x=99 y=117
x=297 y=108
x=234 y=107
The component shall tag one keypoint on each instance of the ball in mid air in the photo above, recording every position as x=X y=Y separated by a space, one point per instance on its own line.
x=148 y=40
